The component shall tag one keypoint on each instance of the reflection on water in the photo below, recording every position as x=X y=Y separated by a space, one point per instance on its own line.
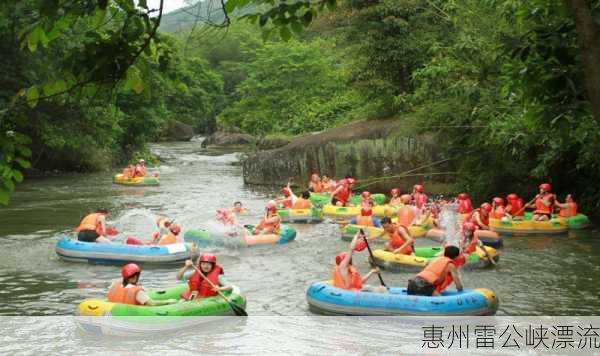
x=535 y=276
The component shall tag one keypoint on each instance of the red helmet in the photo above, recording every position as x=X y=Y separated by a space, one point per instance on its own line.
x=546 y=187
x=463 y=196
x=498 y=201
x=285 y=191
x=487 y=207
x=469 y=226
x=395 y=192
x=365 y=195
x=366 y=212
x=130 y=270
x=271 y=205
x=340 y=257
x=419 y=188
x=208 y=257
x=175 y=229
x=512 y=196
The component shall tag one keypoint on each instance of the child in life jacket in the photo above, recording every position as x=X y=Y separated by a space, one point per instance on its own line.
x=140 y=169
x=498 y=210
x=205 y=284
x=129 y=292
x=514 y=207
x=395 y=197
x=129 y=171
x=345 y=276
x=465 y=206
x=270 y=222
x=419 y=198
x=568 y=208
x=401 y=241
x=432 y=280
x=366 y=201
x=481 y=216
x=343 y=191
x=469 y=241
x=315 y=185
x=303 y=201
x=92 y=227
x=366 y=218
x=544 y=203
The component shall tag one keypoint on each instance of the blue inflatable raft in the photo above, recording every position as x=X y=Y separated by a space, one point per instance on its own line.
x=325 y=299
x=117 y=254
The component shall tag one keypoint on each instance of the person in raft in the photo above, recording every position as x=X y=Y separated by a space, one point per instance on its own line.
x=345 y=276
x=172 y=237
x=469 y=241
x=366 y=201
x=226 y=217
x=315 y=185
x=238 y=208
x=407 y=214
x=465 y=206
x=289 y=198
x=418 y=196
x=129 y=292
x=498 y=209
x=129 y=171
x=327 y=184
x=433 y=279
x=514 y=207
x=343 y=191
x=140 y=169
x=199 y=287
x=270 y=222
x=544 y=203
x=366 y=218
x=92 y=227
x=481 y=216
x=568 y=208
x=401 y=241
x=303 y=201
x=395 y=197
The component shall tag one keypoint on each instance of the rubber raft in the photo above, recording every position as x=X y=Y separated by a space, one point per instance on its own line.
x=348 y=212
x=137 y=181
x=301 y=216
x=70 y=249
x=101 y=316
x=577 y=222
x=529 y=227
x=323 y=298
x=399 y=263
x=204 y=238
x=322 y=199
x=350 y=230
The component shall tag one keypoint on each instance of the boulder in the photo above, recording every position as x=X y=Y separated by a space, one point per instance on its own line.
x=228 y=140
x=178 y=131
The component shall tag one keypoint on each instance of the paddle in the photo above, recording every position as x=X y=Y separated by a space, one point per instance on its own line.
x=239 y=311
x=525 y=206
x=372 y=259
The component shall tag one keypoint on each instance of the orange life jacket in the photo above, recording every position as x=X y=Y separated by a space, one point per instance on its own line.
x=364 y=221
x=397 y=240
x=406 y=215
x=344 y=194
x=301 y=203
x=287 y=203
x=570 y=210
x=355 y=278
x=197 y=283
x=435 y=272
x=484 y=220
x=498 y=213
x=316 y=187
x=540 y=208
x=273 y=227
x=514 y=207
x=458 y=262
x=91 y=222
x=124 y=295
x=168 y=239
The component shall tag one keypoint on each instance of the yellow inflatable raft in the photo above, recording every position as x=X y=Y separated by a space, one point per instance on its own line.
x=350 y=230
x=529 y=227
x=137 y=181
x=346 y=212
x=397 y=262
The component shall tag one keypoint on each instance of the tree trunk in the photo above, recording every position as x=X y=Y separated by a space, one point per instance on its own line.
x=588 y=36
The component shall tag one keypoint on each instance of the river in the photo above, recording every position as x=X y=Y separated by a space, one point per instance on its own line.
x=536 y=275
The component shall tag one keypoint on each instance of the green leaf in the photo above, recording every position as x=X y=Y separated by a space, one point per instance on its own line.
x=32 y=96
x=23 y=163
x=230 y=5
x=285 y=33
x=4 y=196
x=263 y=20
x=42 y=36
x=296 y=27
x=99 y=17
x=18 y=176
x=32 y=40
x=138 y=87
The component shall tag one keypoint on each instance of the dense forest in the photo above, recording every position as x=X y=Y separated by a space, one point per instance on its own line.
x=510 y=87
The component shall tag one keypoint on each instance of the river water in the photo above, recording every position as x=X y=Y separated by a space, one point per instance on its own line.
x=536 y=275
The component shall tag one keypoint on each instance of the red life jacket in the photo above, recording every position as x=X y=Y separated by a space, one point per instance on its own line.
x=345 y=193
x=465 y=206
x=197 y=283
x=397 y=240
x=541 y=208
x=406 y=215
x=458 y=262
x=119 y=294
x=515 y=206
x=571 y=210
x=485 y=220
x=420 y=199
x=435 y=272
x=498 y=213
x=354 y=276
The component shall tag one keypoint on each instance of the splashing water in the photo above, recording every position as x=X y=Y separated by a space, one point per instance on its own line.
x=449 y=222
